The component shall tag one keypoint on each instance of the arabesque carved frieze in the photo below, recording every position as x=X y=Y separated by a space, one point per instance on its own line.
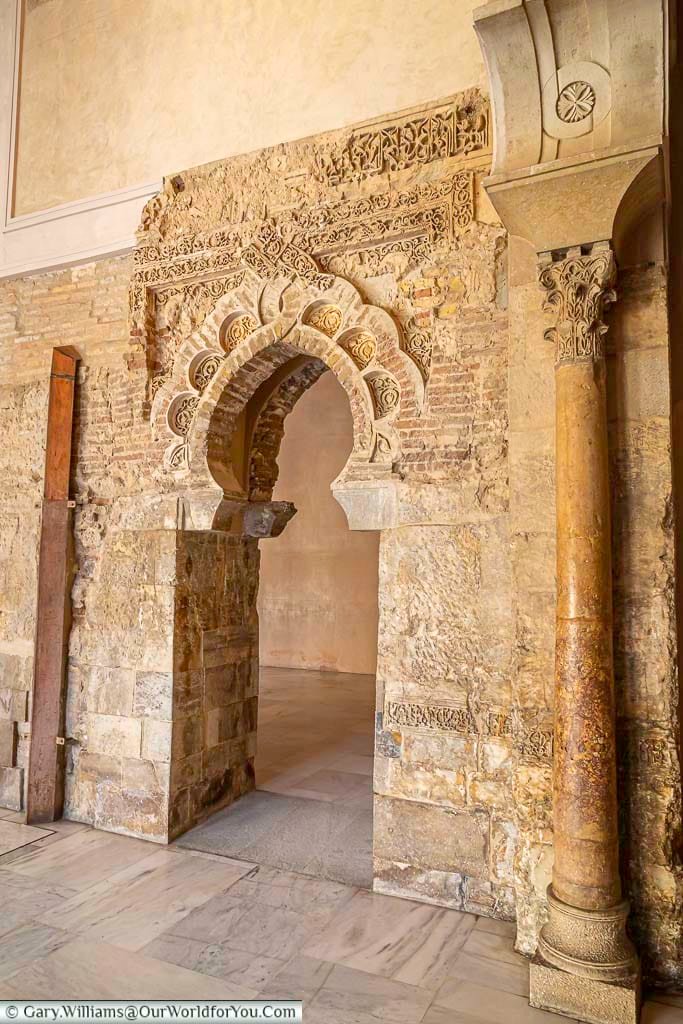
x=298 y=244
x=531 y=738
x=456 y=130
x=175 y=284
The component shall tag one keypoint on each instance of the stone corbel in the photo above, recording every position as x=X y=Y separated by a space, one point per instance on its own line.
x=575 y=132
x=571 y=81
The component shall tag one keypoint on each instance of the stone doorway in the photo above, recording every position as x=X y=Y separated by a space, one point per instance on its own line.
x=318 y=615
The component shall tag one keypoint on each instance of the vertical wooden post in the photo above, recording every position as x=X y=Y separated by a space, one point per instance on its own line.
x=45 y=790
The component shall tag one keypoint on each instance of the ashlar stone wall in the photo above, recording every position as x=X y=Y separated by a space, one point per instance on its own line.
x=373 y=253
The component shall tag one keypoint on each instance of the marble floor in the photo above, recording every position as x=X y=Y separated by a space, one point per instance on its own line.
x=89 y=914
x=316 y=734
x=312 y=811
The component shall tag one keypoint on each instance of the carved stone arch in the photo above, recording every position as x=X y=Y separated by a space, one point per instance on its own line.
x=265 y=433
x=219 y=369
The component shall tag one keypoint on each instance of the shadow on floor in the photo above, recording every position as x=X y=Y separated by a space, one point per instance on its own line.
x=311 y=837
x=312 y=810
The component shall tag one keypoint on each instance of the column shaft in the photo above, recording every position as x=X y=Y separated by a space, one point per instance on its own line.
x=585 y=966
x=586 y=870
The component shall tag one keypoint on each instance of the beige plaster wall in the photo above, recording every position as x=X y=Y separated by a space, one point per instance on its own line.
x=115 y=93
x=318 y=586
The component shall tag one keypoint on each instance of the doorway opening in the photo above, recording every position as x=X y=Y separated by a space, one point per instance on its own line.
x=311 y=811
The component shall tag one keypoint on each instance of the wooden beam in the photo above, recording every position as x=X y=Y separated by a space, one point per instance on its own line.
x=45 y=790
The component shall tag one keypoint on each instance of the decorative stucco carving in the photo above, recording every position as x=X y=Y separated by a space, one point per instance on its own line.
x=176 y=457
x=272 y=269
x=529 y=739
x=575 y=102
x=386 y=394
x=158 y=380
x=418 y=344
x=237 y=327
x=579 y=288
x=325 y=317
x=181 y=413
x=272 y=254
x=434 y=211
x=167 y=289
x=204 y=369
x=361 y=346
x=231 y=337
x=449 y=718
x=168 y=292
x=459 y=129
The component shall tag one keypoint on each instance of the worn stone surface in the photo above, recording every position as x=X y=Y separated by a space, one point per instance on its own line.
x=596 y=1001
x=11 y=788
x=162 y=671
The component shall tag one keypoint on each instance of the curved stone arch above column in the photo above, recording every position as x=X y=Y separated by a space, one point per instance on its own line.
x=221 y=366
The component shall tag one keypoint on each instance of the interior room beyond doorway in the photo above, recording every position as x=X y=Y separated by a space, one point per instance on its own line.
x=312 y=808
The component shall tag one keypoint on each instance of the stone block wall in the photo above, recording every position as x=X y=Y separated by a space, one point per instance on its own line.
x=119 y=710
x=216 y=674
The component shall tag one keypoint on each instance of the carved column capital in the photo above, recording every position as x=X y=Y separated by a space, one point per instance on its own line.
x=578 y=290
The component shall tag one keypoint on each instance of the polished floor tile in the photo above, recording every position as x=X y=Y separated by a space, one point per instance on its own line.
x=26 y=943
x=89 y=914
x=350 y=992
x=135 y=905
x=80 y=860
x=304 y=975
x=220 y=960
x=401 y=939
x=93 y=970
x=14 y=835
x=483 y=1005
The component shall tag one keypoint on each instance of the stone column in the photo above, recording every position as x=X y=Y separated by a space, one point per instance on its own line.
x=586 y=966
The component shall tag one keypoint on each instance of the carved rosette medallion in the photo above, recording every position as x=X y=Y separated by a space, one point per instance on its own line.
x=361 y=346
x=579 y=288
x=575 y=102
x=181 y=414
x=205 y=370
x=385 y=394
x=325 y=317
x=237 y=329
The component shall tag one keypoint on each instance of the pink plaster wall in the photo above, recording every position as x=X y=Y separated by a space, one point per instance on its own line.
x=318 y=589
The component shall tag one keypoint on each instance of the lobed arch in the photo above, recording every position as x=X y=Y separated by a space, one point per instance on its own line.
x=220 y=413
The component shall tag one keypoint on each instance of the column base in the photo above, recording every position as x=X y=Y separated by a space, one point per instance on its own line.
x=586 y=966
x=585 y=999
